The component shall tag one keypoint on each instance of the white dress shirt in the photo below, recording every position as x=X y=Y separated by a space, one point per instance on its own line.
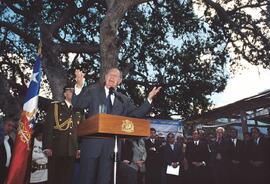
x=172 y=146
x=8 y=150
x=234 y=141
x=39 y=157
x=68 y=104
x=107 y=93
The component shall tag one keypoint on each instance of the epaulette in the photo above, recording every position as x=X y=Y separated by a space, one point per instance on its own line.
x=54 y=102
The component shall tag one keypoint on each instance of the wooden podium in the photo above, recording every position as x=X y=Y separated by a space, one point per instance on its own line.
x=107 y=124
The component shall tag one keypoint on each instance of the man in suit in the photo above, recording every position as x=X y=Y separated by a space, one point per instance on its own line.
x=60 y=139
x=96 y=162
x=173 y=156
x=197 y=155
x=219 y=158
x=247 y=139
x=236 y=157
x=126 y=174
x=6 y=148
x=153 y=160
x=257 y=157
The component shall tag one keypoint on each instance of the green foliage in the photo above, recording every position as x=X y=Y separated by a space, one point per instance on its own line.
x=161 y=43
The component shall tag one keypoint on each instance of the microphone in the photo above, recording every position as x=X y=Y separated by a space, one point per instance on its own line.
x=112 y=91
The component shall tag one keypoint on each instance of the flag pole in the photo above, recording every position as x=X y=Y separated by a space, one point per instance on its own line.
x=20 y=157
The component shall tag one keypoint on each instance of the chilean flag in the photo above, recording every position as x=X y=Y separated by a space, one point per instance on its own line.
x=22 y=151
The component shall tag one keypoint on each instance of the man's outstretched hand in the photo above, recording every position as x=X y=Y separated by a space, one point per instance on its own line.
x=153 y=93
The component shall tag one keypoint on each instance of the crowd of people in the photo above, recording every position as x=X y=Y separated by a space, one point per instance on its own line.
x=223 y=159
x=57 y=150
x=200 y=158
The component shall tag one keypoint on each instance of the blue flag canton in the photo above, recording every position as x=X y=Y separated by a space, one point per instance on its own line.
x=33 y=89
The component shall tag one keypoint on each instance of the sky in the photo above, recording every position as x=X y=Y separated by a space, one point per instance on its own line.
x=244 y=83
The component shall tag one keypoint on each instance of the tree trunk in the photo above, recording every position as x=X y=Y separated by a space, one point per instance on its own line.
x=53 y=68
x=8 y=103
x=108 y=46
x=108 y=32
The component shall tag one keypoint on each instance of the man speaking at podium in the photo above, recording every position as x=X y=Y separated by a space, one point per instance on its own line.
x=96 y=163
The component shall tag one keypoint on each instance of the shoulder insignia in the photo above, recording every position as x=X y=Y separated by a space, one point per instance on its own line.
x=54 y=102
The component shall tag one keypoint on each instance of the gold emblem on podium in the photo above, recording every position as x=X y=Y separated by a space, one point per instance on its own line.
x=127 y=126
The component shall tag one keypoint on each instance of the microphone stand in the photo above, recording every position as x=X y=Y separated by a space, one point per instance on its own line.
x=115 y=158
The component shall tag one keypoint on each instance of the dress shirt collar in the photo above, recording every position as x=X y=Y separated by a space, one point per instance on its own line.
x=234 y=141
x=172 y=146
x=68 y=104
x=258 y=140
x=107 y=93
x=6 y=137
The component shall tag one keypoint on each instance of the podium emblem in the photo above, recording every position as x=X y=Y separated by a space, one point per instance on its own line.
x=127 y=126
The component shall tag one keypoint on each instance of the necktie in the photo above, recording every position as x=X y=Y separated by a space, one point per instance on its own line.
x=109 y=103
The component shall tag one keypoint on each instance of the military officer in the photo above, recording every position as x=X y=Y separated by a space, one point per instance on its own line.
x=60 y=139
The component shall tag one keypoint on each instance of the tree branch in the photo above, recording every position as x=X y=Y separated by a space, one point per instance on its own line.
x=77 y=48
x=19 y=32
x=135 y=2
x=68 y=13
x=226 y=18
x=71 y=11
x=15 y=9
x=249 y=6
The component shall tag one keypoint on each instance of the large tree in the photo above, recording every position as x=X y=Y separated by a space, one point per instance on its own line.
x=182 y=45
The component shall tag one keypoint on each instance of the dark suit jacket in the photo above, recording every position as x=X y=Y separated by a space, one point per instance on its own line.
x=3 y=158
x=236 y=152
x=62 y=142
x=153 y=157
x=258 y=152
x=221 y=148
x=1 y=133
x=126 y=150
x=197 y=153
x=91 y=98
x=175 y=155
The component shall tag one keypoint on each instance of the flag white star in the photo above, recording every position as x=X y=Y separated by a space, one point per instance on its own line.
x=34 y=77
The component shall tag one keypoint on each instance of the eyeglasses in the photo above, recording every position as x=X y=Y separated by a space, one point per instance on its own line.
x=170 y=136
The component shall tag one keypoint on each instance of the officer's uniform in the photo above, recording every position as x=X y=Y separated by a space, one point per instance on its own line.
x=60 y=136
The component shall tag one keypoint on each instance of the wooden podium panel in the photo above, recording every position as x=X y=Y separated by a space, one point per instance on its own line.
x=107 y=124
